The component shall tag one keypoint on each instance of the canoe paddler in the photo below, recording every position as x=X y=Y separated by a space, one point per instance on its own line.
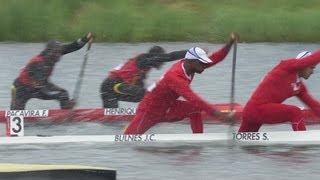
x=33 y=80
x=161 y=104
x=126 y=81
x=284 y=81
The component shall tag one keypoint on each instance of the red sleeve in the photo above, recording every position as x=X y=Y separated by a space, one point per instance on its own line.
x=294 y=64
x=219 y=55
x=182 y=88
x=312 y=103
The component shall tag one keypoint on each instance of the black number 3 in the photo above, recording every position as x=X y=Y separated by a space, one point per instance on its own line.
x=17 y=121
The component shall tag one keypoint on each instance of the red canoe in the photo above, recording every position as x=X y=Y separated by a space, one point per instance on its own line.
x=98 y=115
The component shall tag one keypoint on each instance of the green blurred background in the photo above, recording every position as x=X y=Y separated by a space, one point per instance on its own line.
x=160 y=20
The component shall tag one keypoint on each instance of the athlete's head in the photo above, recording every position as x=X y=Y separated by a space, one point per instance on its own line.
x=52 y=52
x=156 y=50
x=198 y=59
x=305 y=72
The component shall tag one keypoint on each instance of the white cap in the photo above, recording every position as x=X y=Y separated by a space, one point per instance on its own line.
x=198 y=53
x=303 y=54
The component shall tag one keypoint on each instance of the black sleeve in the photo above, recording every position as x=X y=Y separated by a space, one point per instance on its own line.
x=151 y=60
x=36 y=71
x=75 y=45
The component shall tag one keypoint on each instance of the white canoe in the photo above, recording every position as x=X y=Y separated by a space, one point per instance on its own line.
x=311 y=137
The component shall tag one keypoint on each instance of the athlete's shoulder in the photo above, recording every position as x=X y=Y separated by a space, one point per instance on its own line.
x=37 y=59
x=178 y=66
x=286 y=64
x=176 y=71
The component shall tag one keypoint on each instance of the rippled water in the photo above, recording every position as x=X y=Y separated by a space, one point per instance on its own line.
x=167 y=160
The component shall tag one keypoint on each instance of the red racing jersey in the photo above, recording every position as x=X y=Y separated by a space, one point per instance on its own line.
x=282 y=82
x=173 y=84
x=129 y=72
x=24 y=76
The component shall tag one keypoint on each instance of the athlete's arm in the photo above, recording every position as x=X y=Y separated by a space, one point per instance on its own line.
x=76 y=45
x=311 y=102
x=182 y=87
x=219 y=55
x=151 y=60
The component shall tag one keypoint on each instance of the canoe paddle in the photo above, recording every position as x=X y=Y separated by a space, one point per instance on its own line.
x=232 y=92
x=233 y=75
x=77 y=87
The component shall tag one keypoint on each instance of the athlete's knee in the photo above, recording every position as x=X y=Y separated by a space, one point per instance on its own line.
x=297 y=119
x=117 y=88
x=296 y=114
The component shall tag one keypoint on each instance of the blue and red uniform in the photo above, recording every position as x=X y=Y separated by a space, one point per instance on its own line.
x=282 y=82
x=161 y=104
